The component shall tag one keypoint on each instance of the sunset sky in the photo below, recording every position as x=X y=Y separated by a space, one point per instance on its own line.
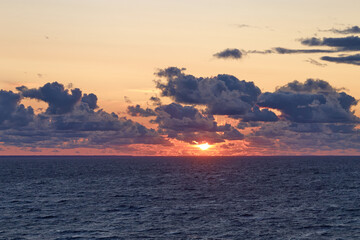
x=163 y=77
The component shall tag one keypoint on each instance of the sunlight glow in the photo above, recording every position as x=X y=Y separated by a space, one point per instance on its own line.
x=204 y=146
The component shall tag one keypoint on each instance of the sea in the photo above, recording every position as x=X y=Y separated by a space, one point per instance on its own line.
x=75 y=197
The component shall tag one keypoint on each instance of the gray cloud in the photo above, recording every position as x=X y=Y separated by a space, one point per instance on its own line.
x=349 y=59
x=229 y=54
x=60 y=100
x=263 y=115
x=291 y=51
x=314 y=101
x=90 y=100
x=140 y=112
x=351 y=43
x=186 y=123
x=305 y=137
x=156 y=101
x=74 y=125
x=349 y=30
x=222 y=94
x=12 y=113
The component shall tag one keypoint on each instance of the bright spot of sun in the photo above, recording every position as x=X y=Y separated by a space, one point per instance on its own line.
x=203 y=146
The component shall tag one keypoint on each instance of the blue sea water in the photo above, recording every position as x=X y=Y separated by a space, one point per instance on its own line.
x=180 y=198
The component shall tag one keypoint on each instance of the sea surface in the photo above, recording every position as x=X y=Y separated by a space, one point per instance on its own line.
x=179 y=198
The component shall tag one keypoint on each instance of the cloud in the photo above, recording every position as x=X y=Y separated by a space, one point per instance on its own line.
x=75 y=125
x=351 y=43
x=263 y=115
x=186 y=123
x=349 y=30
x=138 y=111
x=305 y=137
x=349 y=59
x=222 y=94
x=156 y=101
x=90 y=100
x=229 y=54
x=314 y=101
x=60 y=100
x=281 y=50
x=314 y=62
x=12 y=113
x=291 y=51
x=183 y=118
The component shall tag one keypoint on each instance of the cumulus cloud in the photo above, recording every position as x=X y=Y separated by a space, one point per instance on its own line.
x=222 y=95
x=314 y=101
x=349 y=59
x=90 y=100
x=229 y=53
x=60 y=100
x=70 y=121
x=140 y=112
x=186 y=123
x=12 y=113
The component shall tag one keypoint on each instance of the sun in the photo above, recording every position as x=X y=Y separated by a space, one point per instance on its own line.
x=204 y=146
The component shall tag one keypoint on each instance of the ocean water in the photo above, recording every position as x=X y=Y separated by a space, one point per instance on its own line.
x=180 y=198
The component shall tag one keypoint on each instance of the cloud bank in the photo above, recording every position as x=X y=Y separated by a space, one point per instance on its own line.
x=70 y=121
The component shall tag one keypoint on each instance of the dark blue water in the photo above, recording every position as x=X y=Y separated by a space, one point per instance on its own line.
x=180 y=198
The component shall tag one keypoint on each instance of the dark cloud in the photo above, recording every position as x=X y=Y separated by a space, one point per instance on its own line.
x=306 y=137
x=60 y=100
x=75 y=125
x=229 y=54
x=243 y=125
x=351 y=43
x=139 y=111
x=335 y=45
x=349 y=30
x=314 y=101
x=349 y=59
x=186 y=123
x=12 y=113
x=90 y=100
x=281 y=50
x=156 y=101
x=263 y=115
x=222 y=94
x=183 y=118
